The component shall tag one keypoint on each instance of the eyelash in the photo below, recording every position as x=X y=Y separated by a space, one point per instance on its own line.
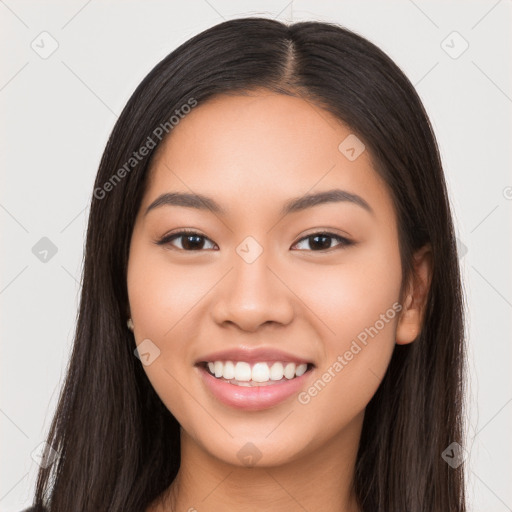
x=344 y=242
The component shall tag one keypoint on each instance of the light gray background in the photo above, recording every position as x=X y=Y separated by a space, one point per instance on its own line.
x=58 y=112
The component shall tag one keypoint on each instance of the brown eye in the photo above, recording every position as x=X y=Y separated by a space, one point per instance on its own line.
x=190 y=240
x=322 y=241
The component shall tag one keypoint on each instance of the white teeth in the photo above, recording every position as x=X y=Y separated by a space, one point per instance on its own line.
x=289 y=370
x=301 y=369
x=259 y=372
x=242 y=371
x=228 y=371
x=277 y=371
x=218 y=368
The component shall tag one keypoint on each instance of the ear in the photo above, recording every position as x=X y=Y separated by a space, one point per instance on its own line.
x=413 y=312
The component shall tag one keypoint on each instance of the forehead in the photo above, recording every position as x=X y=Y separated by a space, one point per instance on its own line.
x=260 y=149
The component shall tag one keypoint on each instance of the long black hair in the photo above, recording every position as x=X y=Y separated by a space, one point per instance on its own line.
x=118 y=444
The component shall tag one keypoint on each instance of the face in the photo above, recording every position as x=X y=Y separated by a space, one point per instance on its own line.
x=319 y=282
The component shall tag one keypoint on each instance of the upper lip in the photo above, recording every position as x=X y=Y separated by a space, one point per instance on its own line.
x=252 y=355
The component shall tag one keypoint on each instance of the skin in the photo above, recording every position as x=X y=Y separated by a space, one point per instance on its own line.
x=251 y=153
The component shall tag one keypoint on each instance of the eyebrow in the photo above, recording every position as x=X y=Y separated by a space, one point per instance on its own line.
x=202 y=202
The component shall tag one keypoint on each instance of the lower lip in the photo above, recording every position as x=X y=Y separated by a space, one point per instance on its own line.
x=252 y=398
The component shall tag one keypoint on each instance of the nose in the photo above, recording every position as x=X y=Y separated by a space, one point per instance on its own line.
x=251 y=295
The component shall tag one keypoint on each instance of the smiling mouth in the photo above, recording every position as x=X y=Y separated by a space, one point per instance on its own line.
x=241 y=373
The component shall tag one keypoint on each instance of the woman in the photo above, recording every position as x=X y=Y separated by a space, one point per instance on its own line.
x=271 y=314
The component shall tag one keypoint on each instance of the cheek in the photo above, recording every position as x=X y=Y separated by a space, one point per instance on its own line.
x=162 y=294
x=164 y=300
x=351 y=295
x=356 y=306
